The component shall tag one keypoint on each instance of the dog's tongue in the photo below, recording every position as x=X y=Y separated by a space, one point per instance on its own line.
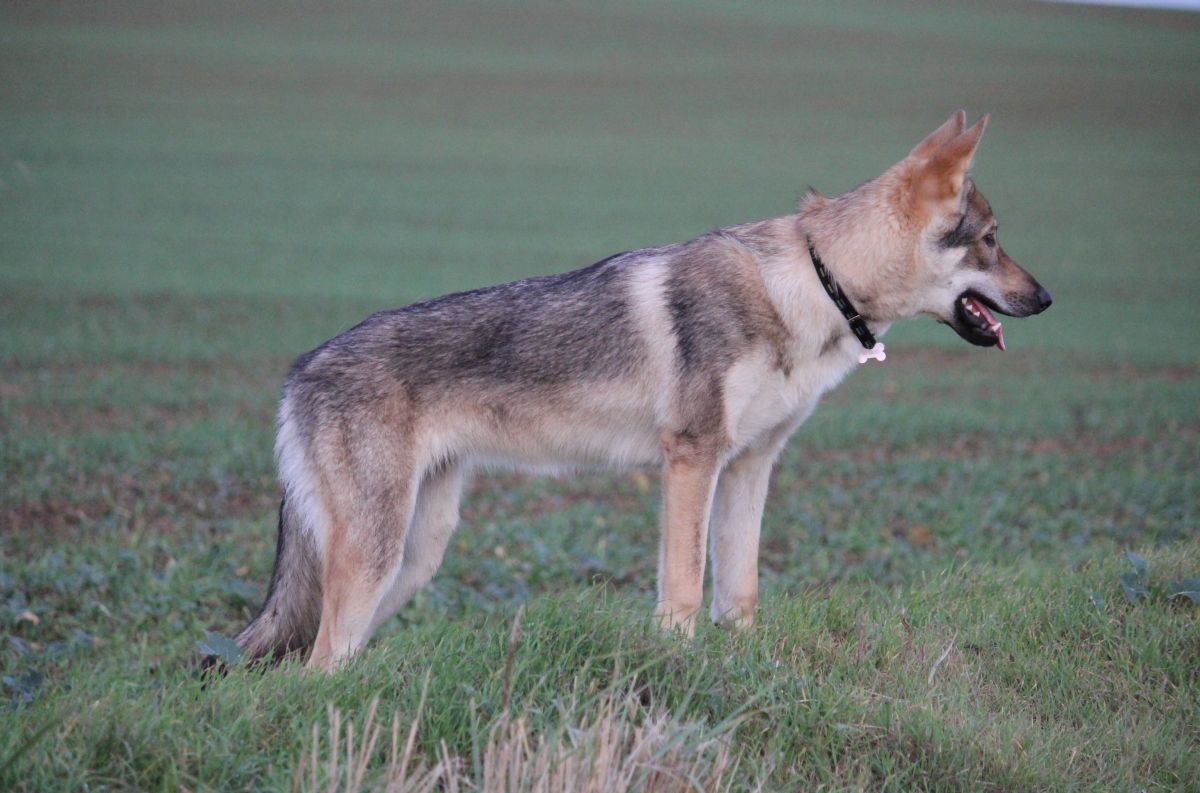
x=993 y=325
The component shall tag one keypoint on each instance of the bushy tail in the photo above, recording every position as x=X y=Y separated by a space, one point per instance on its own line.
x=290 y=616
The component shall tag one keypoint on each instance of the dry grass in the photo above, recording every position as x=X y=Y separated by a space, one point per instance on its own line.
x=612 y=749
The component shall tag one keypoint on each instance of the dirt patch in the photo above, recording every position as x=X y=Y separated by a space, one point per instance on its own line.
x=157 y=503
x=68 y=398
x=223 y=367
x=136 y=504
x=942 y=359
x=851 y=467
x=619 y=493
x=64 y=421
x=971 y=447
x=1128 y=372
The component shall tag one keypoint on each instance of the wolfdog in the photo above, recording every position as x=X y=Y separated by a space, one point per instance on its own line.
x=700 y=357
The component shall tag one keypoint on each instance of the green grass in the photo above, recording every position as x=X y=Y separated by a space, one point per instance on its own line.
x=190 y=197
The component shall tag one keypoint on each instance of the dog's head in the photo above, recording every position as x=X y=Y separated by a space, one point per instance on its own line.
x=960 y=274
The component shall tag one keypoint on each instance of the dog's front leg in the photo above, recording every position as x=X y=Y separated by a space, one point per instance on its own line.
x=689 y=478
x=737 y=522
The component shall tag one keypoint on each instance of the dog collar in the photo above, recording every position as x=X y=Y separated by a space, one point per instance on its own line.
x=857 y=324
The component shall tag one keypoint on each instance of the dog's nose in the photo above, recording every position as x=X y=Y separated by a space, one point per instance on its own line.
x=1043 y=298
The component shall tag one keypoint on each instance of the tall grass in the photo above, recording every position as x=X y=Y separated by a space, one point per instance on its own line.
x=617 y=746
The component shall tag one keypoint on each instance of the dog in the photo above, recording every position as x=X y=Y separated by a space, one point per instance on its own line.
x=700 y=358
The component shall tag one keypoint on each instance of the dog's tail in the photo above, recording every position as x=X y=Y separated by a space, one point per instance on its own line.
x=287 y=623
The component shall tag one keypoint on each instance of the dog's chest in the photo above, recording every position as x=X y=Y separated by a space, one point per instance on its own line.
x=761 y=396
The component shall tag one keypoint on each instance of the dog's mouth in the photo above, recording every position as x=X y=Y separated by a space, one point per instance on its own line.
x=973 y=320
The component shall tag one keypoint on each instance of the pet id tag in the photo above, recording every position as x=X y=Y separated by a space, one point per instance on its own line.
x=876 y=352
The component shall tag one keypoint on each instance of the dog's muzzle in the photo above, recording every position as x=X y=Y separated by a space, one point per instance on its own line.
x=974 y=320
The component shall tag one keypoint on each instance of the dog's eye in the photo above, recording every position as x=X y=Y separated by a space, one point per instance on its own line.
x=989 y=239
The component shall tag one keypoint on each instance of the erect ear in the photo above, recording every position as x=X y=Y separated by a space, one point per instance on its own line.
x=941 y=177
x=940 y=136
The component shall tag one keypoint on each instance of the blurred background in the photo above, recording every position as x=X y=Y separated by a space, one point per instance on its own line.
x=289 y=156
x=191 y=195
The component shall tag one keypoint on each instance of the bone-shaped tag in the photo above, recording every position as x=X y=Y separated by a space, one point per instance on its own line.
x=876 y=352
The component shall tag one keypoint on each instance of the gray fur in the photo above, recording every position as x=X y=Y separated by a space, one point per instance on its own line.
x=700 y=357
x=288 y=619
x=541 y=331
x=975 y=219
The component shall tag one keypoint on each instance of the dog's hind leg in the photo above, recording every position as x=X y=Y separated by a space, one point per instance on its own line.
x=370 y=485
x=433 y=523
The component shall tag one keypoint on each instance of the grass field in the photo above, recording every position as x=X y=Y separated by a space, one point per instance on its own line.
x=192 y=195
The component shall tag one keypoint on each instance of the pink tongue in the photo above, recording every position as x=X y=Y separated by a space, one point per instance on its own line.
x=991 y=321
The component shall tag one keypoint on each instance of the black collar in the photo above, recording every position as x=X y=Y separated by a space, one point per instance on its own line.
x=857 y=323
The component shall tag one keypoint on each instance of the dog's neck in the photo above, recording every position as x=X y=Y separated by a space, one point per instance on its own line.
x=856 y=321
x=801 y=302
x=866 y=248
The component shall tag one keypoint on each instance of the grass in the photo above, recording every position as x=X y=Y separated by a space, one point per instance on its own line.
x=190 y=197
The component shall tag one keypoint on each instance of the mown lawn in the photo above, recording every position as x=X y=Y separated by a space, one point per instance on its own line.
x=192 y=196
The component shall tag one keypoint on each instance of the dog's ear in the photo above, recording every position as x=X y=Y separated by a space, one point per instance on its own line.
x=941 y=177
x=952 y=128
